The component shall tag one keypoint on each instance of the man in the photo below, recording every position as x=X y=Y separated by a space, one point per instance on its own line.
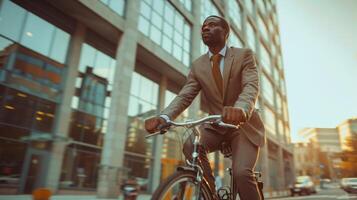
x=229 y=83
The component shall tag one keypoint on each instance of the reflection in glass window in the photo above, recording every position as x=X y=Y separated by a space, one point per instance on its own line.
x=235 y=12
x=91 y=102
x=172 y=145
x=270 y=120
x=12 y=156
x=36 y=114
x=268 y=91
x=251 y=36
x=12 y=18
x=165 y=26
x=80 y=167
x=207 y=9
x=33 y=32
x=117 y=6
x=234 y=40
x=143 y=103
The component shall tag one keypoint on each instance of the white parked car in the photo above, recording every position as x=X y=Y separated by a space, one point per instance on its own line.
x=349 y=185
x=303 y=185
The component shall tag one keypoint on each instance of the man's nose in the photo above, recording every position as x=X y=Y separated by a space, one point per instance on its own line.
x=205 y=29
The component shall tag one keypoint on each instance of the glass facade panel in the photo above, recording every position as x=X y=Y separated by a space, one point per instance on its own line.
x=235 y=13
x=265 y=60
x=270 y=120
x=33 y=32
x=187 y=4
x=207 y=9
x=81 y=168
x=164 y=25
x=262 y=28
x=12 y=156
x=251 y=37
x=91 y=101
x=117 y=6
x=172 y=146
x=250 y=6
x=234 y=40
x=268 y=90
x=12 y=18
x=143 y=103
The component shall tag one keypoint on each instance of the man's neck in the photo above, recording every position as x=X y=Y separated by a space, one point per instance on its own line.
x=216 y=49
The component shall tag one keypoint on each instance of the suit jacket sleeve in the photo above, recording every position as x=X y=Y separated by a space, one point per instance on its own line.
x=185 y=97
x=250 y=84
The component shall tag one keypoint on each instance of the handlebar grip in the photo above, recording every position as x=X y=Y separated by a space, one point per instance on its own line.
x=163 y=128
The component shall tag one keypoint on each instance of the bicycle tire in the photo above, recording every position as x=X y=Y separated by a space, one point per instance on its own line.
x=182 y=176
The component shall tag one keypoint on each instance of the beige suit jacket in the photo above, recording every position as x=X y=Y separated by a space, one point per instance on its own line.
x=241 y=89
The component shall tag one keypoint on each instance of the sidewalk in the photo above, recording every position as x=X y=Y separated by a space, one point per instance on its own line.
x=67 y=197
x=71 y=197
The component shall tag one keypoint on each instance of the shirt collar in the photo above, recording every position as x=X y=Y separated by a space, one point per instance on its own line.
x=222 y=52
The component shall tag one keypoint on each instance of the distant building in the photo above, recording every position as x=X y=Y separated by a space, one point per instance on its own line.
x=327 y=139
x=346 y=129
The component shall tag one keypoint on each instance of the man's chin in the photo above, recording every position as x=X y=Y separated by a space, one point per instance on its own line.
x=207 y=42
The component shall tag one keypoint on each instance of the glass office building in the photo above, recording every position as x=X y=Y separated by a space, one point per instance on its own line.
x=78 y=78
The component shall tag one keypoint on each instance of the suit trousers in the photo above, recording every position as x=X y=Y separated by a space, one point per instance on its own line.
x=244 y=158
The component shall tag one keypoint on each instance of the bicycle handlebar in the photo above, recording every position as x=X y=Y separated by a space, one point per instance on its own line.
x=212 y=119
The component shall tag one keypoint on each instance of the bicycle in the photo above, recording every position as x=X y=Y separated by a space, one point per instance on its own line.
x=188 y=182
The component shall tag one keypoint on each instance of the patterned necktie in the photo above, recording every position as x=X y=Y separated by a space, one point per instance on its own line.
x=216 y=58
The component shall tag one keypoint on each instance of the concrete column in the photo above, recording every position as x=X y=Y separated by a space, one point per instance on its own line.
x=265 y=166
x=111 y=164
x=281 y=173
x=64 y=111
x=158 y=142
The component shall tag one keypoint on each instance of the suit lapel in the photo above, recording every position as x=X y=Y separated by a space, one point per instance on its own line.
x=208 y=68
x=228 y=60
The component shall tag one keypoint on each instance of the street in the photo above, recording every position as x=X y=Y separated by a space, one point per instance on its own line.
x=332 y=193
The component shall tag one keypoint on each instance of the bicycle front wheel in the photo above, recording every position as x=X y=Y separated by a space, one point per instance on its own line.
x=181 y=186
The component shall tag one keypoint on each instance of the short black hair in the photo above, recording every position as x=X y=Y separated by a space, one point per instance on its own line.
x=224 y=23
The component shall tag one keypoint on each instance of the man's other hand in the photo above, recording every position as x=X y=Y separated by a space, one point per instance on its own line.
x=151 y=124
x=233 y=115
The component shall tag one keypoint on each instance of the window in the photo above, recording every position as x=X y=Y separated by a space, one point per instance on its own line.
x=207 y=9
x=270 y=119
x=251 y=36
x=143 y=103
x=172 y=144
x=165 y=26
x=234 y=40
x=36 y=114
x=262 y=28
x=117 y=6
x=268 y=90
x=80 y=167
x=33 y=32
x=234 y=11
x=187 y=4
x=250 y=6
x=91 y=102
x=265 y=60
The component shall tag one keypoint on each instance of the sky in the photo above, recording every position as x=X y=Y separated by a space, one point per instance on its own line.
x=319 y=47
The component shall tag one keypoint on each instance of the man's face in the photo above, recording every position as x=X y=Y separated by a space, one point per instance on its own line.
x=212 y=32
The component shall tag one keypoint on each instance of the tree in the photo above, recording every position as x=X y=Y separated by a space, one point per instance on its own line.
x=349 y=157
